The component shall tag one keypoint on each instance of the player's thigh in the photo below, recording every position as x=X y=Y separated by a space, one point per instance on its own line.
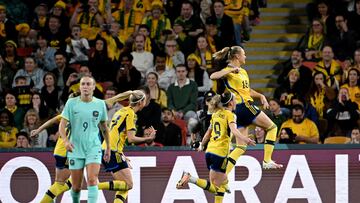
x=217 y=178
x=263 y=121
x=125 y=175
x=61 y=175
x=92 y=171
x=76 y=178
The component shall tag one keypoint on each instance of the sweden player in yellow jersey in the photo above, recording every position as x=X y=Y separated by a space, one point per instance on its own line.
x=236 y=81
x=222 y=125
x=122 y=128
x=62 y=173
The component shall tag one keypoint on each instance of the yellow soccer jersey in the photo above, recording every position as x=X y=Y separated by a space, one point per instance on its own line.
x=219 y=143
x=239 y=85
x=122 y=122
x=60 y=149
x=354 y=94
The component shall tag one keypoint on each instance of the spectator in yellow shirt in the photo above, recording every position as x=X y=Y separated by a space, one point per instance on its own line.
x=7 y=129
x=305 y=129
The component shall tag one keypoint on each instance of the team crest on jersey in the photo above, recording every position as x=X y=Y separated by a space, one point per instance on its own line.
x=72 y=162
x=96 y=114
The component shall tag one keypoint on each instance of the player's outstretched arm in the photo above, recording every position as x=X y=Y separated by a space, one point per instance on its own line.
x=219 y=74
x=47 y=124
x=118 y=97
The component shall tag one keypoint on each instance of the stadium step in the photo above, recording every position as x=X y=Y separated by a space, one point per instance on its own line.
x=282 y=24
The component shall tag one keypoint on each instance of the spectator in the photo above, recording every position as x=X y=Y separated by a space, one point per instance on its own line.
x=204 y=52
x=40 y=107
x=211 y=33
x=182 y=97
x=320 y=94
x=324 y=12
x=277 y=115
x=59 y=10
x=354 y=18
x=329 y=67
x=290 y=88
x=295 y=63
x=224 y=24
x=166 y=76
x=54 y=34
x=77 y=47
x=305 y=129
x=156 y=93
x=112 y=108
x=142 y=60
x=62 y=71
x=309 y=110
x=152 y=143
x=100 y=63
x=12 y=60
x=342 y=115
x=192 y=23
x=18 y=112
x=22 y=140
x=174 y=57
x=23 y=92
x=7 y=28
x=198 y=74
x=352 y=84
x=355 y=136
x=40 y=18
x=259 y=135
x=6 y=76
x=313 y=41
x=7 y=129
x=33 y=74
x=286 y=136
x=150 y=115
x=185 y=42
x=51 y=92
x=44 y=55
x=169 y=134
x=343 y=40
x=157 y=21
x=89 y=18
x=114 y=43
x=128 y=77
x=349 y=63
x=32 y=122
x=150 y=44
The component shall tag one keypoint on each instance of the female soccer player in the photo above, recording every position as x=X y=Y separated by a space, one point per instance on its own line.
x=222 y=125
x=85 y=114
x=62 y=173
x=236 y=81
x=123 y=128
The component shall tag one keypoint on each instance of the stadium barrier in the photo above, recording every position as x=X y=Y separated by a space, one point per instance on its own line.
x=312 y=173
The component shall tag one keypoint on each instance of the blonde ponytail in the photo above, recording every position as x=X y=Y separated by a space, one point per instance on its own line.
x=220 y=55
x=215 y=103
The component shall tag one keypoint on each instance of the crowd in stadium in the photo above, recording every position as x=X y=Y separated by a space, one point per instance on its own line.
x=165 y=48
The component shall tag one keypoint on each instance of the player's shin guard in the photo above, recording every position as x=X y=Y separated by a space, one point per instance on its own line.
x=219 y=196
x=116 y=185
x=234 y=156
x=75 y=196
x=92 y=193
x=206 y=185
x=120 y=196
x=269 y=142
x=55 y=190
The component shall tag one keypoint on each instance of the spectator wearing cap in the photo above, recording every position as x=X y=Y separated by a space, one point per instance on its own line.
x=193 y=25
x=223 y=22
x=59 y=10
x=157 y=22
x=22 y=140
x=8 y=130
x=11 y=59
x=40 y=18
x=7 y=28
x=305 y=129
x=185 y=42
x=198 y=74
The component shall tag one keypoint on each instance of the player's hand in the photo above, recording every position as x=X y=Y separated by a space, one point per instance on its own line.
x=69 y=146
x=34 y=133
x=264 y=102
x=235 y=70
x=107 y=155
x=250 y=142
x=201 y=147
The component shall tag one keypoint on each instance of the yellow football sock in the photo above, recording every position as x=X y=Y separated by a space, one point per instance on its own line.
x=234 y=156
x=55 y=190
x=120 y=196
x=206 y=185
x=269 y=142
x=116 y=185
x=219 y=196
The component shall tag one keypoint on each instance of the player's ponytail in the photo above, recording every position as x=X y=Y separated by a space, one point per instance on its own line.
x=119 y=97
x=215 y=103
x=220 y=55
x=227 y=53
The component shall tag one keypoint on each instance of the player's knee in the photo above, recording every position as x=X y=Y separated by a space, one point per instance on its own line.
x=76 y=188
x=92 y=181
x=129 y=185
x=272 y=127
